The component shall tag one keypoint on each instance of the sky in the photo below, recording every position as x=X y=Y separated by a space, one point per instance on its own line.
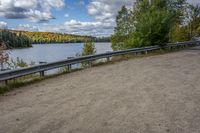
x=82 y=17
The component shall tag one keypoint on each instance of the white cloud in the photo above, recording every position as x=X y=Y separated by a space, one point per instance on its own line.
x=33 y=10
x=103 y=12
x=106 y=10
x=3 y=25
x=26 y=27
x=81 y=28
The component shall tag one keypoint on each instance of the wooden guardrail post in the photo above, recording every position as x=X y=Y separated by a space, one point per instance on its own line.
x=69 y=67
x=135 y=53
x=90 y=63
x=42 y=74
x=108 y=59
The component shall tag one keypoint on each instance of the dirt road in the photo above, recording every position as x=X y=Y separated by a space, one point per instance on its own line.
x=157 y=94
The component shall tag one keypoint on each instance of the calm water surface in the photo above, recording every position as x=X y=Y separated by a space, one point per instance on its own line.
x=54 y=52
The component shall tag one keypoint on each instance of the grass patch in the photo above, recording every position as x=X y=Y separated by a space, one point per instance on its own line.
x=27 y=80
x=16 y=84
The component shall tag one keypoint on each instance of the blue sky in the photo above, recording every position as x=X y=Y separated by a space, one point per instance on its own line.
x=84 y=17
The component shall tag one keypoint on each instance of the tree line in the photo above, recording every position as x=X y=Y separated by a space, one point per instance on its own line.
x=20 y=39
x=48 y=37
x=156 y=22
x=14 y=40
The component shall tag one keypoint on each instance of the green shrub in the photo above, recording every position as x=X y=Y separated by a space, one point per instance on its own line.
x=18 y=63
x=89 y=49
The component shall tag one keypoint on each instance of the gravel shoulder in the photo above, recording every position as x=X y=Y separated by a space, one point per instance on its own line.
x=157 y=94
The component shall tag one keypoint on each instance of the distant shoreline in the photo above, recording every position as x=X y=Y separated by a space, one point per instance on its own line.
x=65 y=43
x=50 y=43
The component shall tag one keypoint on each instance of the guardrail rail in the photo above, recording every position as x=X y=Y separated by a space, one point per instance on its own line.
x=11 y=74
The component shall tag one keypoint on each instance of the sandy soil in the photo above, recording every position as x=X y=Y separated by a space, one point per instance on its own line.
x=156 y=94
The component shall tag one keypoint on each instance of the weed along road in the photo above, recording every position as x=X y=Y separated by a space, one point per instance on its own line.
x=155 y=94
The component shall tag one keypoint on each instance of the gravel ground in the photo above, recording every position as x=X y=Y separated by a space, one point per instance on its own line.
x=157 y=94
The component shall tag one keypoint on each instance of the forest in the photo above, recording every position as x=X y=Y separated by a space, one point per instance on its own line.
x=156 y=22
x=49 y=37
x=22 y=39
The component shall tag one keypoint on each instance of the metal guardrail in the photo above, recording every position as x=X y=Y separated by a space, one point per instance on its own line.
x=11 y=74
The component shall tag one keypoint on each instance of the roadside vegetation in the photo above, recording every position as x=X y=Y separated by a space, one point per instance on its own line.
x=156 y=22
x=88 y=49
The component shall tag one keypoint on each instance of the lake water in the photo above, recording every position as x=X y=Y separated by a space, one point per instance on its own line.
x=54 y=52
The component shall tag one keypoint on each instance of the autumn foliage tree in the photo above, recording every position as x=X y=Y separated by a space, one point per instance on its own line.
x=48 y=37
